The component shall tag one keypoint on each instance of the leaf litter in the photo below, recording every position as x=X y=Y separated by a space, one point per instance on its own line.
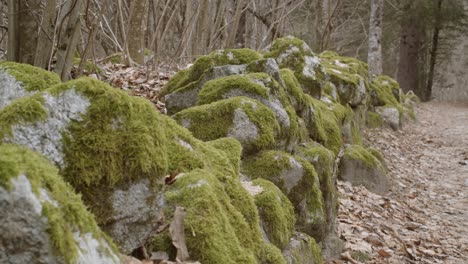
x=424 y=219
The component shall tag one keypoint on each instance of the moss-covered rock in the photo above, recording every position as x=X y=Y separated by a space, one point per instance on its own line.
x=46 y=221
x=242 y=118
x=181 y=91
x=293 y=53
x=348 y=75
x=217 y=231
x=323 y=161
x=18 y=80
x=276 y=212
x=374 y=120
x=323 y=122
x=302 y=249
x=360 y=167
x=297 y=179
x=261 y=87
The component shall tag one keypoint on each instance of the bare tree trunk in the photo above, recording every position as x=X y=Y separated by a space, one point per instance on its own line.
x=235 y=24
x=13 y=30
x=137 y=30
x=69 y=37
x=374 y=57
x=408 y=66
x=45 y=40
x=28 y=29
x=433 y=53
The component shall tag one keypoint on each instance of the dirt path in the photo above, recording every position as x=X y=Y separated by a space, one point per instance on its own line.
x=425 y=217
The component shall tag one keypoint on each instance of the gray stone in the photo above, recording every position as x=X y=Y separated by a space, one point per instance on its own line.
x=23 y=230
x=11 y=89
x=135 y=213
x=390 y=116
x=188 y=96
x=359 y=167
x=45 y=136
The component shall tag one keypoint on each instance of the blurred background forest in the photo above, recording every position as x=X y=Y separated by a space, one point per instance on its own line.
x=424 y=43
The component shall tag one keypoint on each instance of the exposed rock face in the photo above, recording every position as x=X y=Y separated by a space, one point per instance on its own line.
x=44 y=221
x=360 y=167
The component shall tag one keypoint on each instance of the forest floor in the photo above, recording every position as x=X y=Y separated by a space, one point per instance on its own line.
x=424 y=219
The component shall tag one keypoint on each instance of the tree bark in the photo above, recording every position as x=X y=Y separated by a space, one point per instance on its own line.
x=69 y=36
x=374 y=57
x=408 y=66
x=433 y=53
x=13 y=30
x=137 y=30
x=45 y=40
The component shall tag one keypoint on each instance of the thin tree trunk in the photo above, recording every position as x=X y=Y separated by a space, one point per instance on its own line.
x=68 y=39
x=137 y=30
x=45 y=40
x=433 y=53
x=374 y=58
x=28 y=29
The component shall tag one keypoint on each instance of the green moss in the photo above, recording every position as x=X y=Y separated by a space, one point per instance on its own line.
x=277 y=213
x=385 y=92
x=119 y=138
x=308 y=251
x=65 y=217
x=323 y=161
x=273 y=166
x=324 y=125
x=357 y=152
x=212 y=121
x=32 y=78
x=24 y=110
x=232 y=148
x=215 y=90
x=293 y=89
x=292 y=53
x=373 y=120
x=204 y=63
x=216 y=232
x=271 y=254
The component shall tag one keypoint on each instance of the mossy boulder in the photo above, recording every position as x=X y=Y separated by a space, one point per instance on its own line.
x=295 y=54
x=106 y=144
x=302 y=249
x=18 y=80
x=323 y=122
x=216 y=231
x=181 y=91
x=43 y=219
x=242 y=118
x=391 y=116
x=277 y=220
x=360 y=166
x=348 y=76
x=261 y=87
x=323 y=161
x=297 y=179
